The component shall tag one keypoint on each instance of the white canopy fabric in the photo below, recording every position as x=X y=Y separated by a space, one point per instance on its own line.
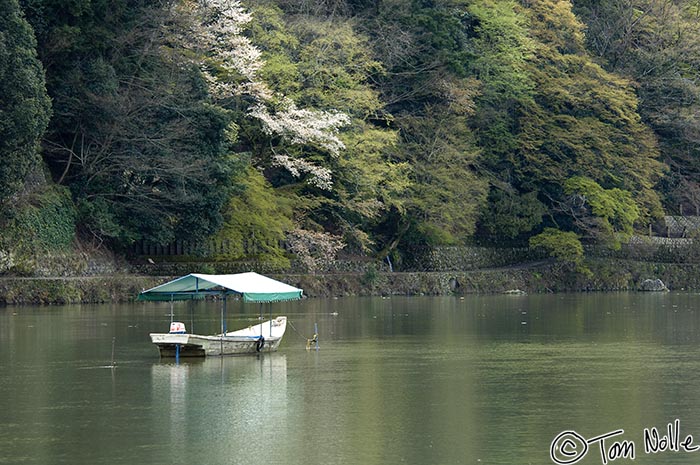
x=252 y=286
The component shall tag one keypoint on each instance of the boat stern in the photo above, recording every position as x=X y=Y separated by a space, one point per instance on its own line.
x=176 y=345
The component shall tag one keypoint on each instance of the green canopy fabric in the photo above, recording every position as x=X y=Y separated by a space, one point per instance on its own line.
x=252 y=286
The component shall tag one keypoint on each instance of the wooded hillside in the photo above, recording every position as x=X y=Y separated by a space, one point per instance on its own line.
x=308 y=126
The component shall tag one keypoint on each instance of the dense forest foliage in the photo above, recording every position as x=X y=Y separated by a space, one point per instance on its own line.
x=372 y=126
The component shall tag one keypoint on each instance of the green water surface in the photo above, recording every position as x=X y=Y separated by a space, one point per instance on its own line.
x=421 y=380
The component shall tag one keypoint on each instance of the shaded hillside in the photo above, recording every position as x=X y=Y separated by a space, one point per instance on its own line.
x=318 y=126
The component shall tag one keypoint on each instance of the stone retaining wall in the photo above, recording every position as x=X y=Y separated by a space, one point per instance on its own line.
x=438 y=259
x=605 y=275
x=470 y=258
x=438 y=271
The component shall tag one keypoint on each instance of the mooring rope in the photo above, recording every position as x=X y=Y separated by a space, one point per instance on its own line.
x=296 y=331
x=309 y=340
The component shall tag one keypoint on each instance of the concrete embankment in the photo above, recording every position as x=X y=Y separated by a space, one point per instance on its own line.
x=537 y=277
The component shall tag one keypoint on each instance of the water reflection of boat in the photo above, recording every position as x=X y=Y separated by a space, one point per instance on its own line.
x=252 y=287
x=202 y=408
x=238 y=369
x=243 y=372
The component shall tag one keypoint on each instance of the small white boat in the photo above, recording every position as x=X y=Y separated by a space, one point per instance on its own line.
x=264 y=337
x=252 y=287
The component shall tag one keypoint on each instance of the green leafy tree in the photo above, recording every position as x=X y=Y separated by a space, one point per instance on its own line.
x=607 y=215
x=445 y=195
x=563 y=246
x=25 y=107
x=323 y=64
x=256 y=221
x=511 y=214
x=419 y=43
x=423 y=48
x=585 y=121
x=41 y=222
x=388 y=123
x=566 y=115
x=501 y=49
x=657 y=44
x=134 y=136
x=367 y=181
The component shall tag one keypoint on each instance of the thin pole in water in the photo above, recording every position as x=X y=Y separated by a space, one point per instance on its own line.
x=316 y=334
x=113 y=364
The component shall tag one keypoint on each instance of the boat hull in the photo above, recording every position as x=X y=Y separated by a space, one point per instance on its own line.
x=264 y=337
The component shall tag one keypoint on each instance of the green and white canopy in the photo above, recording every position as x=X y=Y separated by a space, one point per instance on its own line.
x=252 y=286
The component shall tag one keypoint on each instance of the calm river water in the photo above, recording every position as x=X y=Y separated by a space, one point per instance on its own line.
x=422 y=380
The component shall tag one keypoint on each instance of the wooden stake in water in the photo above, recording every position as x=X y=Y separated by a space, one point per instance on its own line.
x=313 y=339
x=316 y=334
x=113 y=364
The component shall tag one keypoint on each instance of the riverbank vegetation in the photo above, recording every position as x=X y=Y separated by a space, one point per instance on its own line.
x=303 y=128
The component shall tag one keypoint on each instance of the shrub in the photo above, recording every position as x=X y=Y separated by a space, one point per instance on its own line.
x=563 y=246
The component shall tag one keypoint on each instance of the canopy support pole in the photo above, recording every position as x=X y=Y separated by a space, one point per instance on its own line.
x=261 y=317
x=192 y=316
x=223 y=317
